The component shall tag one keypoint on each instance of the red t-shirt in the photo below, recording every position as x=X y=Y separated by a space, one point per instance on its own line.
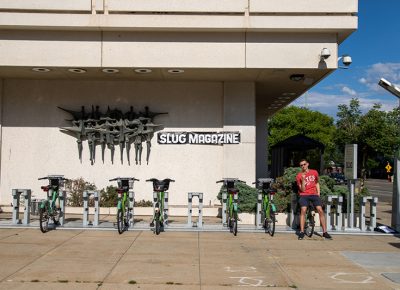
x=311 y=182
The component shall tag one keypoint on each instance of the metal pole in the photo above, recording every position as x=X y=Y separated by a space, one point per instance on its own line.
x=391 y=88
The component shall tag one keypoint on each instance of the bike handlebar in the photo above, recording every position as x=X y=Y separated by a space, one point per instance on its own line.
x=54 y=177
x=124 y=178
x=230 y=179
x=155 y=179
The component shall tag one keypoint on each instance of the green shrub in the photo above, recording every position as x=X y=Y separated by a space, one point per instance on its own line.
x=109 y=196
x=286 y=189
x=247 y=197
x=144 y=203
x=75 y=189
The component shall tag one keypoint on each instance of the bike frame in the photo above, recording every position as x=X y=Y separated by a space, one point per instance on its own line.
x=160 y=198
x=267 y=201
x=52 y=196
x=232 y=205
x=121 y=202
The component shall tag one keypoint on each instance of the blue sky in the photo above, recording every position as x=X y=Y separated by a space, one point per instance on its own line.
x=375 y=51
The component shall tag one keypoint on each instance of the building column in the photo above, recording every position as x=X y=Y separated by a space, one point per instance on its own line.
x=1 y=125
x=239 y=113
x=261 y=144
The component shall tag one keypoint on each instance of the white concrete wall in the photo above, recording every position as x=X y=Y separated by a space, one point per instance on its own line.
x=239 y=115
x=33 y=145
x=167 y=49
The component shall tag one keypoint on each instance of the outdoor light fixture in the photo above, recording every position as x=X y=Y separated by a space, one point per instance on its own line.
x=389 y=87
x=143 y=70
x=346 y=60
x=297 y=77
x=325 y=54
x=77 y=70
x=175 y=71
x=40 y=69
x=110 y=70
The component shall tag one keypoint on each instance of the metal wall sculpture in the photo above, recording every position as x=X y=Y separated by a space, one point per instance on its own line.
x=113 y=128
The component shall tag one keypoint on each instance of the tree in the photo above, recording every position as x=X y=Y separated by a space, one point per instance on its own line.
x=376 y=132
x=291 y=121
x=348 y=124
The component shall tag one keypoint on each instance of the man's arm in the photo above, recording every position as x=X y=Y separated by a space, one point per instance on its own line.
x=301 y=182
x=317 y=187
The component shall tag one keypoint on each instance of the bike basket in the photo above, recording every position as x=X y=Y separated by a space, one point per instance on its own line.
x=160 y=186
x=54 y=182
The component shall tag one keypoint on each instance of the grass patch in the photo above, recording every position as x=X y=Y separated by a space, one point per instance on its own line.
x=173 y=283
x=132 y=282
x=35 y=280
x=62 y=281
x=293 y=286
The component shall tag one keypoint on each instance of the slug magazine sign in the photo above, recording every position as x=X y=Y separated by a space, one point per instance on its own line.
x=207 y=138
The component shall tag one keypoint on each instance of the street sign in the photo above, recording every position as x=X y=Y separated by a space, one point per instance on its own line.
x=388 y=168
x=350 y=161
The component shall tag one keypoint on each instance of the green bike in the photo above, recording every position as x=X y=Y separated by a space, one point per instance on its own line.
x=124 y=210
x=48 y=208
x=159 y=189
x=231 y=203
x=268 y=209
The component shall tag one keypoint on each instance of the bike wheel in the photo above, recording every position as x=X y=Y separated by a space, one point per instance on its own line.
x=44 y=220
x=271 y=223
x=310 y=223
x=56 y=216
x=158 y=227
x=127 y=217
x=235 y=226
x=120 y=221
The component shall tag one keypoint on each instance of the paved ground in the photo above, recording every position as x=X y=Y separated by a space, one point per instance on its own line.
x=87 y=259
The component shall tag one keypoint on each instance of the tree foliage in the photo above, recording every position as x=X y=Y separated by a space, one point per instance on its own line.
x=376 y=132
x=292 y=120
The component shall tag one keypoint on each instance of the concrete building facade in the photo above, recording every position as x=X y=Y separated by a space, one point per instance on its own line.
x=213 y=65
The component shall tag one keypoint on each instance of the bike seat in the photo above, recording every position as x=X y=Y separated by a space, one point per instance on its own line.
x=233 y=190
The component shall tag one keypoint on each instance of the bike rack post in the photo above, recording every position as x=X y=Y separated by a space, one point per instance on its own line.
x=85 y=208
x=86 y=196
x=166 y=209
x=258 y=215
x=224 y=199
x=337 y=217
x=131 y=207
x=62 y=194
x=200 y=219
x=26 y=193
x=96 y=208
x=15 y=215
x=373 y=201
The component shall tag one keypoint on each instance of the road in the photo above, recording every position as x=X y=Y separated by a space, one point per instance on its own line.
x=380 y=188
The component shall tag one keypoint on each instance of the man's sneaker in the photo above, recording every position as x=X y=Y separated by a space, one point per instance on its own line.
x=327 y=236
x=301 y=236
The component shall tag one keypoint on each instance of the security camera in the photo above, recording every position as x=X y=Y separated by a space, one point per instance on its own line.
x=346 y=60
x=325 y=53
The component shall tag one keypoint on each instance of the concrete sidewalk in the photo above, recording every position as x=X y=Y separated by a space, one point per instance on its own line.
x=87 y=259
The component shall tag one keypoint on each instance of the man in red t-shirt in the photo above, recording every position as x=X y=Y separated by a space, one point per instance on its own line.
x=309 y=191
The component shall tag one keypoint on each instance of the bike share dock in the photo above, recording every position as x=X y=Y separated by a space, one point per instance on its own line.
x=194 y=220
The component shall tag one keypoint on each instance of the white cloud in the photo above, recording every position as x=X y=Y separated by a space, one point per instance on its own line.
x=349 y=91
x=389 y=71
x=328 y=103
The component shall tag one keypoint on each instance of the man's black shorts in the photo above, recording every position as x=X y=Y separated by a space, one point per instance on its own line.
x=305 y=199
